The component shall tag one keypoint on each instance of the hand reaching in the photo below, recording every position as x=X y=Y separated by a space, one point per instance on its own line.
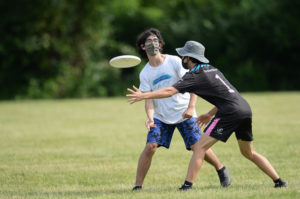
x=135 y=96
x=203 y=120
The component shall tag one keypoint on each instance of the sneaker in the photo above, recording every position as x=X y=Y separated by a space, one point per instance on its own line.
x=185 y=187
x=137 y=188
x=280 y=184
x=224 y=177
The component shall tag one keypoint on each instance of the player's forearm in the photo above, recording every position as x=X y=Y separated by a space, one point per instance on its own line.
x=162 y=93
x=213 y=111
x=193 y=100
x=149 y=108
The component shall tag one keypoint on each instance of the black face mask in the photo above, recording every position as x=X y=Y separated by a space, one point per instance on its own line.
x=184 y=64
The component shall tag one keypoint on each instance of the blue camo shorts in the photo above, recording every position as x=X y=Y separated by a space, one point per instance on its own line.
x=163 y=133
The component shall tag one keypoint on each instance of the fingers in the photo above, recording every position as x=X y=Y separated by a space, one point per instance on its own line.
x=153 y=125
x=200 y=122
x=133 y=94
x=186 y=115
x=130 y=90
x=202 y=125
x=130 y=95
x=197 y=120
x=147 y=124
x=132 y=100
x=135 y=88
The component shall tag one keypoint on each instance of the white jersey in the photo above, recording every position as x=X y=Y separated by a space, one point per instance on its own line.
x=168 y=110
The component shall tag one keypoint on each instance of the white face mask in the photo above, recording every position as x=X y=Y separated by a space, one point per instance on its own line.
x=152 y=48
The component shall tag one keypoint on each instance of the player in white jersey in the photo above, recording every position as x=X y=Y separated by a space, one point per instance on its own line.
x=164 y=115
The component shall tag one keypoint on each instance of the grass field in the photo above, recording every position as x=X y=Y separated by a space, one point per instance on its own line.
x=89 y=149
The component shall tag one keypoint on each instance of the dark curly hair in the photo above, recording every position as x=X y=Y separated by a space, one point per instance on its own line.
x=196 y=61
x=141 y=39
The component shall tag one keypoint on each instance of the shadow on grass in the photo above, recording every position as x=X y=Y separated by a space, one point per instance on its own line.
x=95 y=192
x=125 y=190
x=71 y=194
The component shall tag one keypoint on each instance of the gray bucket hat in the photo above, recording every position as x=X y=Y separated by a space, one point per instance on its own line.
x=193 y=49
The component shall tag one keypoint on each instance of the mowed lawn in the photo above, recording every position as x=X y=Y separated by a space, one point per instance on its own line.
x=89 y=148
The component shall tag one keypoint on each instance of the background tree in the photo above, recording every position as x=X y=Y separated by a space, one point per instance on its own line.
x=61 y=48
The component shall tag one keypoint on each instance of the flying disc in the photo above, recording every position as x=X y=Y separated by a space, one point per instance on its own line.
x=125 y=61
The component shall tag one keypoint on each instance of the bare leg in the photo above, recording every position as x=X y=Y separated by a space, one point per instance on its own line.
x=145 y=162
x=247 y=150
x=196 y=161
x=212 y=159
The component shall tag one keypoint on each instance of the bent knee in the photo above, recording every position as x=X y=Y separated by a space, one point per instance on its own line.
x=248 y=154
x=150 y=148
x=198 y=147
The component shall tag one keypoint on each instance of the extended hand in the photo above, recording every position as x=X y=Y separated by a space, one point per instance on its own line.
x=203 y=120
x=135 y=96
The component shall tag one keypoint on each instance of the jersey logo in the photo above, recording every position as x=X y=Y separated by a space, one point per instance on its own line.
x=161 y=78
x=220 y=130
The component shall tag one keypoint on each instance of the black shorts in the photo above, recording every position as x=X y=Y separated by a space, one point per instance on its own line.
x=222 y=128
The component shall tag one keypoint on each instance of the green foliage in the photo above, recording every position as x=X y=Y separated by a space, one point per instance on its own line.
x=61 y=48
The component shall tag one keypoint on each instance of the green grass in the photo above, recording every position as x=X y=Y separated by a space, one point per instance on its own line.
x=90 y=148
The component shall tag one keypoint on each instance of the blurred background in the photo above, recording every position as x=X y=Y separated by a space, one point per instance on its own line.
x=61 y=48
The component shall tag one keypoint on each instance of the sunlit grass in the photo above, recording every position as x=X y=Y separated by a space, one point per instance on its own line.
x=90 y=148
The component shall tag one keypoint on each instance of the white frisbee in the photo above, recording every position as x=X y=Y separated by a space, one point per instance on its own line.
x=125 y=61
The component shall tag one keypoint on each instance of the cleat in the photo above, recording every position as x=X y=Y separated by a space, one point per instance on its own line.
x=224 y=177
x=280 y=184
x=185 y=187
x=137 y=188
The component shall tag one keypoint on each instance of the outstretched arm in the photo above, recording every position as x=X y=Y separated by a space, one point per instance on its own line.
x=136 y=95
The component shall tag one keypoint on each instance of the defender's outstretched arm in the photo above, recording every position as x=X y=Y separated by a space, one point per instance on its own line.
x=136 y=95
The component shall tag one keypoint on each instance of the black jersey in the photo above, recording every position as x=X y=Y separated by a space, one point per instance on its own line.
x=209 y=83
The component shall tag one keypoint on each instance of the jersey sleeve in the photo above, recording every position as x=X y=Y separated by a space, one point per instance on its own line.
x=186 y=84
x=144 y=83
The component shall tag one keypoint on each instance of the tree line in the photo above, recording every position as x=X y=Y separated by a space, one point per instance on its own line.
x=61 y=48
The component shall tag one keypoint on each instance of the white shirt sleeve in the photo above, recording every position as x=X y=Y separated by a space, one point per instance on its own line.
x=179 y=69
x=144 y=83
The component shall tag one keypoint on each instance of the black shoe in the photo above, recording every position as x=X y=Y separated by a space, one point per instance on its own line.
x=280 y=184
x=137 y=188
x=185 y=187
x=224 y=177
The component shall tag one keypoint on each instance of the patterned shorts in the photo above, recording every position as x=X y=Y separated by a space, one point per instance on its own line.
x=163 y=133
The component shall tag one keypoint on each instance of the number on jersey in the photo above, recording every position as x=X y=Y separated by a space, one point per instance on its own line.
x=230 y=90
